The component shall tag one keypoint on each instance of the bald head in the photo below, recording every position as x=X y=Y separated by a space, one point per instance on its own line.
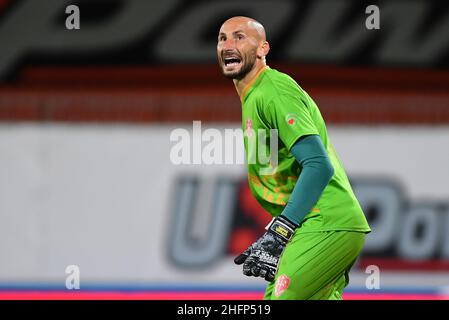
x=249 y=24
x=241 y=46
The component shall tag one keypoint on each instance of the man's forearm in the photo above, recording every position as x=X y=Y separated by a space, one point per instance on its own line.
x=316 y=173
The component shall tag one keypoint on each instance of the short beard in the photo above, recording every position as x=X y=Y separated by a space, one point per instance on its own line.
x=246 y=68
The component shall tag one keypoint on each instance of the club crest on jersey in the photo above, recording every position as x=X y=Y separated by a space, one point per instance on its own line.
x=282 y=284
x=292 y=119
x=249 y=128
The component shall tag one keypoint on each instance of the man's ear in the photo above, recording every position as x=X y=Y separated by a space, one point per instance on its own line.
x=263 y=49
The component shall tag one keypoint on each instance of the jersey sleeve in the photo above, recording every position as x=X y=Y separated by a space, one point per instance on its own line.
x=291 y=117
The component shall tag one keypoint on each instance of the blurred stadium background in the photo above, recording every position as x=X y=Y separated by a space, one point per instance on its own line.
x=85 y=121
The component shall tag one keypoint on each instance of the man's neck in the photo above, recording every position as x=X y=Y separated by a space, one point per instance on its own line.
x=240 y=85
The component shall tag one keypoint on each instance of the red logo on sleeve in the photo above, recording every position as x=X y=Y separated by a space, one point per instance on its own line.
x=292 y=119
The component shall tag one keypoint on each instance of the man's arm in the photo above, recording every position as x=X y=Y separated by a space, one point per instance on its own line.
x=316 y=173
x=261 y=259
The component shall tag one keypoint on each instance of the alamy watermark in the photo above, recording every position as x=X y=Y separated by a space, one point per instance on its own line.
x=373 y=280
x=372 y=22
x=73 y=19
x=218 y=147
x=72 y=281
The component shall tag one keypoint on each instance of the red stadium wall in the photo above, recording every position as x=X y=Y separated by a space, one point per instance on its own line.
x=185 y=93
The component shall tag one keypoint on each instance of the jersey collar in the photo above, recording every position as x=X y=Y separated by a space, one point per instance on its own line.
x=251 y=83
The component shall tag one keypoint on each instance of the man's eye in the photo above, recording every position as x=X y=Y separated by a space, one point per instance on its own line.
x=240 y=37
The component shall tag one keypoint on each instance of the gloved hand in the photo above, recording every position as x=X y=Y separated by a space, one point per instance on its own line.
x=261 y=259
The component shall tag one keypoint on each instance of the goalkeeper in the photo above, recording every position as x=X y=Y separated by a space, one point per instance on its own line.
x=319 y=228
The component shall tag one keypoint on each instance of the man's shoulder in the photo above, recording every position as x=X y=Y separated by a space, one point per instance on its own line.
x=276 y=84
x=274 y=73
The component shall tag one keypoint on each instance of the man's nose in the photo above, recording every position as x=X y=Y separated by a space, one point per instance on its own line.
x=228 y=44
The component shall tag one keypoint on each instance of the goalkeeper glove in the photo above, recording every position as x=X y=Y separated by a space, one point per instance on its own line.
x=261 y=259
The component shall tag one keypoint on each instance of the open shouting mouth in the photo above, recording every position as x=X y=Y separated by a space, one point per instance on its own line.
x=231 y=62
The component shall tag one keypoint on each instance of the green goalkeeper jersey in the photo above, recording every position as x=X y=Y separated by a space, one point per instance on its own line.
x=276 y=109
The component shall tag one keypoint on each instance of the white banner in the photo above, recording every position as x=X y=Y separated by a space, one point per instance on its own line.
x=103 y=197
